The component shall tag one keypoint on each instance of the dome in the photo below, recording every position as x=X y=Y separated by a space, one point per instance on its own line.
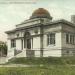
x=40 y=13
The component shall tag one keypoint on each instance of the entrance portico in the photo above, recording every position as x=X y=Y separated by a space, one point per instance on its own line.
x=27 y=40
x=28 y=43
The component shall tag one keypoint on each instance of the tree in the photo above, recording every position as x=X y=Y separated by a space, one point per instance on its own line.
x=3 y=49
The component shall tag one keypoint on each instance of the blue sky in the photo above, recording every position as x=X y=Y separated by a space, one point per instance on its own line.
x=12 y=14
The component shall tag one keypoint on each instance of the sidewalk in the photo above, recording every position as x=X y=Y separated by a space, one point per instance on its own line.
x=3 y=60
x=17 y=65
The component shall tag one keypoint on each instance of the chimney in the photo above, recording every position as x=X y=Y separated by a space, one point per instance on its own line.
x=73 y=19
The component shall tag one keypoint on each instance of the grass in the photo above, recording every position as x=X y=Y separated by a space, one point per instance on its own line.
x=44 y=60
x=49 y=66
x=45 y=70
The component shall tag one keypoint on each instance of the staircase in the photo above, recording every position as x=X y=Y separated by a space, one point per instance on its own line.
x=13 y=54
x=25 y=53
x=17 y=52
x=21 y=53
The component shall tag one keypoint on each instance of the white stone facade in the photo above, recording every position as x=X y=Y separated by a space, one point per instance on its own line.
x=31 y=39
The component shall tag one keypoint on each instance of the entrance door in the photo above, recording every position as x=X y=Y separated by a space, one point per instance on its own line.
x=28 y=43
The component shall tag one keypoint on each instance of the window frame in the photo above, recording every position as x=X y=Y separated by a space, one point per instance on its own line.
x=67 y=38
x=70 y=39
x=51 y=39
x=13 y=43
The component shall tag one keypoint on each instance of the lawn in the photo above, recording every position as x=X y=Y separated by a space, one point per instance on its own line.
x=44 y=70
x=45 y=66
x=44 y=61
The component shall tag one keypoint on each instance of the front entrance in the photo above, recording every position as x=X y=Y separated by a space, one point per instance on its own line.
x=27 y=45
x=27 y=40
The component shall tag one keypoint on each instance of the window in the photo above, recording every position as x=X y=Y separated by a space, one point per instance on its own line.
x=70 y=38
x=13 y=43
x=67 y=38
x=51 y=38
x=22 y=43
x=74 y=39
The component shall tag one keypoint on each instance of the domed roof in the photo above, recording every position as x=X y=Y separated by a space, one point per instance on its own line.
x=40 y=13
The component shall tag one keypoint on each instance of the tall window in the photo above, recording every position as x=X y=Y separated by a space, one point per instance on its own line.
x=73 y=39
x=70 y=38
x=51 y=38
x=67 y=38
x=13 y=43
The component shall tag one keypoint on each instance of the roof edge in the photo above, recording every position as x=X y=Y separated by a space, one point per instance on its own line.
x=54 y=22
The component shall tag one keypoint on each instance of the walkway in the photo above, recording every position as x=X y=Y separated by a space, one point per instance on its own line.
x=17 y=65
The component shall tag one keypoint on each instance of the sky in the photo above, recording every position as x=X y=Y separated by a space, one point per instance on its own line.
x=13 y=13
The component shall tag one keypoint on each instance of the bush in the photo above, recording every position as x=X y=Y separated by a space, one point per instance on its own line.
x=3 y=49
